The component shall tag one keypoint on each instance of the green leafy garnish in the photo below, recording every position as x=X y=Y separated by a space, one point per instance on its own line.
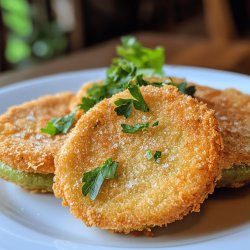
x=157 y=156
x=184 y=88
x=148 y=61
x=138 y=80
x=155 y=124
x=124 y=106
x=126 y=128
x=60 y=125
x=139 y=104
x=149 y=154
x=87 y=103
x=93 y=180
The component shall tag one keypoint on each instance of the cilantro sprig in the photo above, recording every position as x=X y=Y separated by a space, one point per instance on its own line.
x=93 y=180
x=60 y=125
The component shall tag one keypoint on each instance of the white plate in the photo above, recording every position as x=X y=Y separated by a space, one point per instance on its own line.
x=35 y=221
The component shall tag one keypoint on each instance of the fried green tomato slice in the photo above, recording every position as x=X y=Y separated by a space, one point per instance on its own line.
x=145 y=192
x=232 y=109
x=235 y=177
x=30 y=181
x=23 y=146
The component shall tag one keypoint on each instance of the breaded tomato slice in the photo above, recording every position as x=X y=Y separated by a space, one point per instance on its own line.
x=23 y=147
x=146 y=192
x=232 y=109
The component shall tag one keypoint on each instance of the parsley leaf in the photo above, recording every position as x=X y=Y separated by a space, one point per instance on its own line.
x=50 y=128
x=87 y=103
x=138 y=80
x=126 y=128
x=190 y=90
x=155 y=124
x=124 y=107
x=118 y=76
x=139 y=104
x=60 y=125
x=149 y=154
x=184 y=88
x=149 y=61
x=157 y=84
x=93 y=180
x=157 y=156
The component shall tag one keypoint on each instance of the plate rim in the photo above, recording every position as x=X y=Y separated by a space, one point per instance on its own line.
x=36 y=80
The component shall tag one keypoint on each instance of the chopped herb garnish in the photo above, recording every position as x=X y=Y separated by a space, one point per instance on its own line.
x=93 y=180
x=148 y=61
x=190 y=90
x=157 y=156
x=60 y=125
x=157 y=84
x=138 y=80
x=149 y=154
x=139 y=104
x=184 y=88
x=155 y=124
x=126 y=128
x=124 y=106
x=127 y=72
x=87 y=103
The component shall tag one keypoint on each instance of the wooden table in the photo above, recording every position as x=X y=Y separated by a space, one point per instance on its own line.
x=183 y=50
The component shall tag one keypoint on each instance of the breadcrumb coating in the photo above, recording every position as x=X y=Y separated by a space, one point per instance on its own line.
x=22 y=145
x=232 y=109
x=145 y=193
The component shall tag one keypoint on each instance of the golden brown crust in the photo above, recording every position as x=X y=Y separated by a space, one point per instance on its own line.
x=22 y=145
x=144 y=194
x=232 y=109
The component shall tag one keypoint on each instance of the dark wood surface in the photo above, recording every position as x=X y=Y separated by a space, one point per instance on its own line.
x=183 y=50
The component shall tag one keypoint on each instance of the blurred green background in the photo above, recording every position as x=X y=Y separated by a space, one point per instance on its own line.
x=30 y=36
x=33 y=31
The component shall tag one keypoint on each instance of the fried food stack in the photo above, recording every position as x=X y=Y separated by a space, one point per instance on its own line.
x=129 y=152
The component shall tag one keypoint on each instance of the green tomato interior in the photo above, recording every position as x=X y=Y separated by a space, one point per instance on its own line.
x=27 y=180
x=237 y=176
